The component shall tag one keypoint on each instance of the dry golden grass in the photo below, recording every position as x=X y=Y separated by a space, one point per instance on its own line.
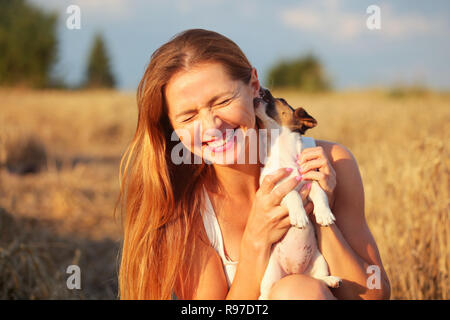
x=62 y=215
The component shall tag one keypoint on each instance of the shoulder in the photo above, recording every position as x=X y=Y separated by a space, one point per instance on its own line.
x=342 y=160
x=335 y=151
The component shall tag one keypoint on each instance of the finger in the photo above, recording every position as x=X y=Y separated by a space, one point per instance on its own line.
x=281 y=212
x=327 y=184
x=304 y=192
x=283 y=189
x=319 y=163
x=270 y=181
x=310 y=153
x=285 y=223
x=315 y=175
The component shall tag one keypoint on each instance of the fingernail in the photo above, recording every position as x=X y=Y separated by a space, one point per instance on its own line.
x=298 y=178
x=308 y=185
x=289 y=169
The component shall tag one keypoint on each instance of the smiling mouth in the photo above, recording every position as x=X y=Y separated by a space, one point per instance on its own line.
x=218 y=143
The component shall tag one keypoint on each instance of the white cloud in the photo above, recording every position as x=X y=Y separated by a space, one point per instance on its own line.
x=116 y=9
x=330 y=19
x=411 y=24
x=185 y=7
x=325 y=18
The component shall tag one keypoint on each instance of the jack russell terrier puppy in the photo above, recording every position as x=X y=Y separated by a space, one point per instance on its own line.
x=297 y=251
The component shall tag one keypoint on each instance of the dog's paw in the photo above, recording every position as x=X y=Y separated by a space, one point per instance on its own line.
x=332 y=281
x=302 y=221
x=298 y=217
x=324 y=217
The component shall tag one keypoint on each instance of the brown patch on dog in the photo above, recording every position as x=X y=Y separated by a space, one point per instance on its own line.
x=278 y=109
x=305 y=120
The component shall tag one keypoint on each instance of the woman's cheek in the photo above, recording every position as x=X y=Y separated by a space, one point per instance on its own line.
x=247 y=115
x=186 y=138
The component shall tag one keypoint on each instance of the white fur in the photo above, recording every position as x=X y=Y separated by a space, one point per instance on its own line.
x=297 y=252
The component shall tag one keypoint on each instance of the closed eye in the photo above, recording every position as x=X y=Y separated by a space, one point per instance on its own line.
x=188 y=118
x=220 y=104
x=223 y=102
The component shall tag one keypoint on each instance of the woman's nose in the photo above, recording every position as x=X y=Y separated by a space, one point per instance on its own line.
x=209 y=120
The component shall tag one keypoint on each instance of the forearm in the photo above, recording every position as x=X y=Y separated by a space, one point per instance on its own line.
x=250 y=270
x=345 y=263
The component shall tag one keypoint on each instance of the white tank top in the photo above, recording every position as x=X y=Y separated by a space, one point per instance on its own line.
x=213 y=229
x=215 y=237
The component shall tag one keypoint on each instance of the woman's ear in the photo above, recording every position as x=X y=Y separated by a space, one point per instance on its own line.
x=254 y=83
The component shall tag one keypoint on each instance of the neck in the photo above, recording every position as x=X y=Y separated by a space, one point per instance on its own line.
x=240 y=180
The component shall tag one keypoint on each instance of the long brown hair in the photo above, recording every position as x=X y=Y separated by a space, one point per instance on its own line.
x=163 y=202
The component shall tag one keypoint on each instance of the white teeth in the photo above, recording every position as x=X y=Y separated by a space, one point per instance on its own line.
x=221 y=142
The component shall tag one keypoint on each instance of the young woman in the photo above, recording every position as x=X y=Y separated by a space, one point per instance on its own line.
x=201 y=86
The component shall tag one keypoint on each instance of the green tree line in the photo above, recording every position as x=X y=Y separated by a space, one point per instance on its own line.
x=304 y=73
x=29 y=49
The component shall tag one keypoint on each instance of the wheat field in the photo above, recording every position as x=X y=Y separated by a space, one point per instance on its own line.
x=59 y=165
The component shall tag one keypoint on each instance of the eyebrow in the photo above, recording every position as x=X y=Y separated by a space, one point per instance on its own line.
x=210 y=102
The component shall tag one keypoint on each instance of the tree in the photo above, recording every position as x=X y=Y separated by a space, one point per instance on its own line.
x=98 y=71
x=28 y=44
x=303 y=73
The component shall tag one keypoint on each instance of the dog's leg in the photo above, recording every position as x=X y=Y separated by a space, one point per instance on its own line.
x=322 y=211
x=318 y=269
x=273 y=274
x=297 y=213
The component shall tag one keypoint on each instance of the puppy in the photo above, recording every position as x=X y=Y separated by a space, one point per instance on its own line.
x=297 y=251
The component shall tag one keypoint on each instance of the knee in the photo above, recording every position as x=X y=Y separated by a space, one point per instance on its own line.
x=300 y=287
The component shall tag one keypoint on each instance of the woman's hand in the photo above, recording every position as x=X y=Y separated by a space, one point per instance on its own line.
x=268 y=220
x=314 y=165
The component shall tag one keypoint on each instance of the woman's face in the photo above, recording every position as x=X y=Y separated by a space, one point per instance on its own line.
x=211 y=113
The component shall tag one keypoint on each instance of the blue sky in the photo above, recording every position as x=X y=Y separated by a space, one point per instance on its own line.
x=411 y=47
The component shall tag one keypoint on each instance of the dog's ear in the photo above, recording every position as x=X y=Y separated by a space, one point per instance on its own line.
x=306 y=121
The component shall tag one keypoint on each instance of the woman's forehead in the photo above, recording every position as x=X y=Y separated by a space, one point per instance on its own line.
x=197 y=86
